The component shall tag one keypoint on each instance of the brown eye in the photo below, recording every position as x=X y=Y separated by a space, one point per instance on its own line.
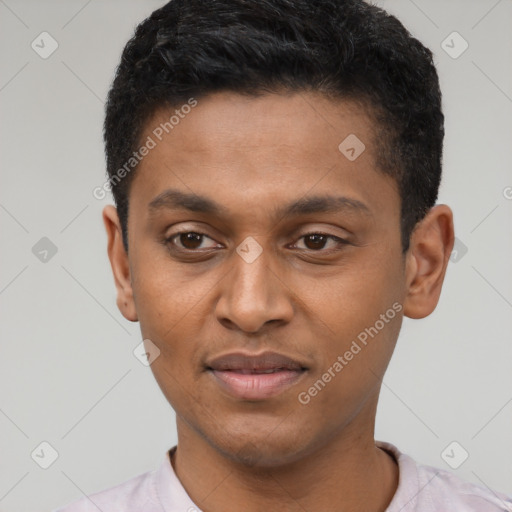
x=190 y=241
x=315 y=241
x=319 y=241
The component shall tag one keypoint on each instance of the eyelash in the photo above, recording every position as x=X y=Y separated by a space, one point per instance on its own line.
x=339 y=241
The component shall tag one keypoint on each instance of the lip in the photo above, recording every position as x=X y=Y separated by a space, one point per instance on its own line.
x=255 y=376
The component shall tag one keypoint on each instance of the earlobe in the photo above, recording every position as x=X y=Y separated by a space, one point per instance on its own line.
x=427 y=260
x=119 y=263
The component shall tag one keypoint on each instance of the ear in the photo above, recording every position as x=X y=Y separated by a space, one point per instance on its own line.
x=426 y=261
x=119 y=263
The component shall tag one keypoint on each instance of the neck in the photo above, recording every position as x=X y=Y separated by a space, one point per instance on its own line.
x=348 y=473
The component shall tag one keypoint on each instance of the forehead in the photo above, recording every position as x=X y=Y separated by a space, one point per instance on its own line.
x=302 y=122
x=275 y=147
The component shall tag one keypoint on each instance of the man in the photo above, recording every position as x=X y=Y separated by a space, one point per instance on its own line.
x=275 y=166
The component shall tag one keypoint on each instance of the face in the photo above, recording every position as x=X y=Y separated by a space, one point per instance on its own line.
x=265 y=264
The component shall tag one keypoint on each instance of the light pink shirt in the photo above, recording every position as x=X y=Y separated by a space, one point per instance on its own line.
x=420 y=489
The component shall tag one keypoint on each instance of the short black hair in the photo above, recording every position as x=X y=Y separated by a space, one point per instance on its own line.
x=346 y=49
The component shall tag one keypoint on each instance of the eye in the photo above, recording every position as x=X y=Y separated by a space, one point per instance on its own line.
x=191 y=240
x=319 y=241
x=194 y=241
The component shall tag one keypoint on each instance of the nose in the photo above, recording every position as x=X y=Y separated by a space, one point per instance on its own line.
x=253 y=296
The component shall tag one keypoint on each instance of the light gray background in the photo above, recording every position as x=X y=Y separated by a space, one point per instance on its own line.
x=67 y=372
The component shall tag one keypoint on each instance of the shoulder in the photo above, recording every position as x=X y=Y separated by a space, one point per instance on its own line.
x=448 y=488
x=423 y=488
x=152 y=491
x=137 y=493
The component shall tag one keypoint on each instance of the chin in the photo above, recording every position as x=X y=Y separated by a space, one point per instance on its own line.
x=263 y=449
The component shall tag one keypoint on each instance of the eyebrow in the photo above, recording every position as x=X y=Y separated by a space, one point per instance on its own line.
x=173 y=199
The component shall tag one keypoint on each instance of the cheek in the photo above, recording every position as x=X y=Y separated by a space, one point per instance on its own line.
x=174 y=310
x=352 y=366
x=357 y=315
x=353 y=298
x=166 y=295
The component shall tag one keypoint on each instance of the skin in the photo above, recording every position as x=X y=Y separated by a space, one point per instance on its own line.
x=305 y=299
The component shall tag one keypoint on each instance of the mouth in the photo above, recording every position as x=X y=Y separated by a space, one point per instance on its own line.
x=255 y=377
